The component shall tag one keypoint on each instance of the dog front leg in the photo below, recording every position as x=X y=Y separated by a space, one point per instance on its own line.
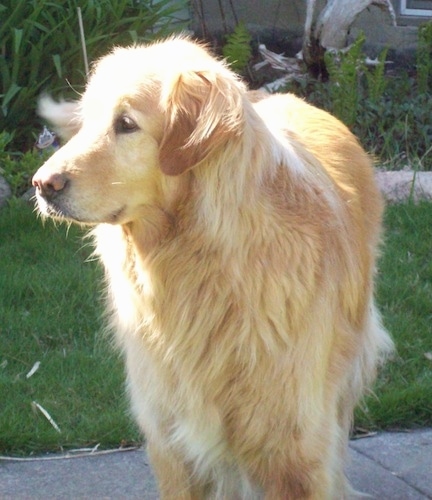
x=174 y=476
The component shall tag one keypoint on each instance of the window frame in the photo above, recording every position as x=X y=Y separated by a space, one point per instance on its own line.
x=406 y=11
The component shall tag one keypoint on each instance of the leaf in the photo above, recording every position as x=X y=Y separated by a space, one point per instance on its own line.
x=39 y=407
x=18 y=36
x=57 y=64
x=33 y=370
x=134 y=35
x=10 y=94
x=237 y=49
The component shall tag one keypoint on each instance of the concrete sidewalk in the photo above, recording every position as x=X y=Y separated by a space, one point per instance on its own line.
x=388 y=466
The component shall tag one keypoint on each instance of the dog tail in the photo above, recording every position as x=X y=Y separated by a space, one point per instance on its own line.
x=63 y=116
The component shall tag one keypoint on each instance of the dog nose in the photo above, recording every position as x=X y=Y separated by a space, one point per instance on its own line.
x=50 y=185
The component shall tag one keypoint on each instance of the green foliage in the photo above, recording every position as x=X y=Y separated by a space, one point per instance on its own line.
x=19 y=171
x=5 y=139
x=345 y=71
x=351 y=81
x=398 y=127
x=424 y=57
x=376 y=82
x=389 y=114
x=18 y=168
x=237 y=49
x=41 y=49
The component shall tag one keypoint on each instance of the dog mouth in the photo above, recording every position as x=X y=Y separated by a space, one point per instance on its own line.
x=52 y=209
x=61 y=211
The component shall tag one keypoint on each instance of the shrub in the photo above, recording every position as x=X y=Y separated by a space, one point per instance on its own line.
x=41 y=49
x=424 y=57
x=18 y=168
x=345 y=71
x=389 y=114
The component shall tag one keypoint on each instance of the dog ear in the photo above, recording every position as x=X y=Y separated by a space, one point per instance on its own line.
x=203 y=110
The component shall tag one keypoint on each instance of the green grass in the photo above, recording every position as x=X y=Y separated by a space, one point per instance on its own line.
x=50 y=312
x=404 y=389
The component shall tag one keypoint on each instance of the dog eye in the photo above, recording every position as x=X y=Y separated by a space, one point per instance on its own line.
x=125 y=125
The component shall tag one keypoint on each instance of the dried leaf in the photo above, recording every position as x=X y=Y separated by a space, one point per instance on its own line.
x=46 y=415
x=34 y=369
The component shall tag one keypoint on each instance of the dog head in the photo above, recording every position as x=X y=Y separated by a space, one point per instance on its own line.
x=149 y=115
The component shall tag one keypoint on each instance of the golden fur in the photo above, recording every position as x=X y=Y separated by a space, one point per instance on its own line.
x=239 y=241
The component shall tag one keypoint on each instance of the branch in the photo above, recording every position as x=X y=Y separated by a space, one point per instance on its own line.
x=337 y=17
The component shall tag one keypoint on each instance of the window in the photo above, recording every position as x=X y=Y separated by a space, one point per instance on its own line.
x=416 y=8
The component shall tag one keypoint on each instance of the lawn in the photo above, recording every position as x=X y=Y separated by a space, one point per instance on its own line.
x=50 y=313
x=404 y=390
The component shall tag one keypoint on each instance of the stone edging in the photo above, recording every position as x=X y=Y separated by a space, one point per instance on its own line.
x=401 y=185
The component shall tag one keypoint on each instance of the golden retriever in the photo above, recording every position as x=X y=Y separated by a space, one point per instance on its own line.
x=239 y=241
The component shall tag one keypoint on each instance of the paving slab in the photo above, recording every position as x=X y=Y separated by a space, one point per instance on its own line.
x=372 y=479
x=115 y=475
x=388 y=466
x=406 y=456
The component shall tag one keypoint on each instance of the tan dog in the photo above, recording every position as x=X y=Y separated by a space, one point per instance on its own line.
x=239 y=242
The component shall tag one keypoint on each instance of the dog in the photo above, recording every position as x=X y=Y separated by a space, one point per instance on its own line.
x=239 y=236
